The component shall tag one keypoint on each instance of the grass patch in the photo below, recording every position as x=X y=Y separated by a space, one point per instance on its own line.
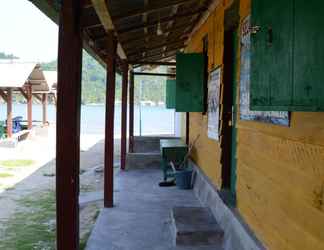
x=16 y=163
x=33 y=225
x=5 y=175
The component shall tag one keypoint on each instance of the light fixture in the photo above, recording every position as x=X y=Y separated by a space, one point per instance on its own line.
x=159 y=31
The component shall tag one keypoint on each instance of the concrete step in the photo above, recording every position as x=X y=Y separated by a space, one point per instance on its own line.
x=143 y=160
x=146 y=144
x=195 y=226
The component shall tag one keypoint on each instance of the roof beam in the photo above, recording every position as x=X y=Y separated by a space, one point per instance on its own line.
x=151 y=63
x=150 y=57
x=146 y=49
x=23 y=93
x=162 y=55
x=153 y=74
x=163 y=20
x=150 y=8
x=105 y=18
x=3 y=95
x=150 y=36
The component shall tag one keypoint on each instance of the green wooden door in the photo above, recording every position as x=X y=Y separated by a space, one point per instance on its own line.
x=271 y=54
x=309 y=55
x=170 y=95
x=190 y=82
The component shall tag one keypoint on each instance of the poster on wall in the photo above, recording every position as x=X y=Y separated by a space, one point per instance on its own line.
x=213 y=103
x=274 y=117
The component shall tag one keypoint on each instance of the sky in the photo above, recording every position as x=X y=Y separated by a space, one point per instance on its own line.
x=26 y=32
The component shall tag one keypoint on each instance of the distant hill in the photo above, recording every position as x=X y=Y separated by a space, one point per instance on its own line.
x=7 y=56
x=94 y=83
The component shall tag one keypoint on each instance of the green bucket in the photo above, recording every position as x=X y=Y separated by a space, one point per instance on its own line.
x=183 y=178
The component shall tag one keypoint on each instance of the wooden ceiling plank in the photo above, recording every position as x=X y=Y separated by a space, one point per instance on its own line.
x=149 y=9
x=163 y=20
x=141 y=38
x=149 y=57
x=105 y=18
x=147 y=49
x=152 y=63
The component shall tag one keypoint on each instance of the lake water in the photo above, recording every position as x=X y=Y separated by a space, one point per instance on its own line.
x=154 y=120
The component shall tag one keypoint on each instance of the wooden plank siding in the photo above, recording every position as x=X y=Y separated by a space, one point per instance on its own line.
x=280 y=173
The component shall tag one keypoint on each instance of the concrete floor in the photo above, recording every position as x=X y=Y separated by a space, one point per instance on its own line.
x=140 y=219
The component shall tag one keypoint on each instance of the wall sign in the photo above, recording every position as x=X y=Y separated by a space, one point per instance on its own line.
x=274 y=117
x=213 y=103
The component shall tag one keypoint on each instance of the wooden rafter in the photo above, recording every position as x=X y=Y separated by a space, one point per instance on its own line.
x=150 y=8
x=38 y=97
x=157 y=56
x=162 y=20
x=3 y=95
x=154 y=74
x=23 y=93
x=150 y=36
x=151 y=63
x=105 y=18
x=146 y=49
x=161 y=57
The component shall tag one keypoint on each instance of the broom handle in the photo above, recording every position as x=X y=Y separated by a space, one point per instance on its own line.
x=189 y=151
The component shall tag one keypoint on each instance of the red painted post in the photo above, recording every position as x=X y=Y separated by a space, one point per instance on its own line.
x=131 y=112
x=44 y=104
x=29 y=106
x=123 y=142
x=109 y=129
x=9 y=112
x=68 y=125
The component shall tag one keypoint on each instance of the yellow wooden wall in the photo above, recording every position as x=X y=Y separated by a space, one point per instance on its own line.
x=280 y=170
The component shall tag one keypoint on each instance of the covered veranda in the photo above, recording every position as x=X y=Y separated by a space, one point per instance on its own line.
x=121 y=35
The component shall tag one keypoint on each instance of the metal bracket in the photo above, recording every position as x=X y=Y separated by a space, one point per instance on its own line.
x=255 y=29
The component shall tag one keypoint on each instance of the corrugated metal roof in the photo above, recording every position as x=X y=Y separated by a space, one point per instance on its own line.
x=15 y=74
x=51 y=79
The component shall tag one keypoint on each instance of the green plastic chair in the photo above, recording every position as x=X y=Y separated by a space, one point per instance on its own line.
x=2 y=129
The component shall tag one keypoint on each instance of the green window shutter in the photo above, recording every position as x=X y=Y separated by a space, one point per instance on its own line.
x=309 y=56
x=170 y=96
x=287 y=74
x=271 y=55
x=190 y=82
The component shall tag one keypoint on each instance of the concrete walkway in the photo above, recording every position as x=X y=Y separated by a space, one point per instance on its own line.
x=141 y=218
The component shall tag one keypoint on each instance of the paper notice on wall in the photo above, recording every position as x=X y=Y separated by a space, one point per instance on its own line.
x=213 y=103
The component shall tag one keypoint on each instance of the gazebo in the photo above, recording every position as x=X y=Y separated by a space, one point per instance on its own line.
x=29 y=80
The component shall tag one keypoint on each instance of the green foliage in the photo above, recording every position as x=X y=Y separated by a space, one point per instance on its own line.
x=94 y=83
x=7 y=56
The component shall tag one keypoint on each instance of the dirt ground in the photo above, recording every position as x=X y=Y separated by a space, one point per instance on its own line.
x=27 y=208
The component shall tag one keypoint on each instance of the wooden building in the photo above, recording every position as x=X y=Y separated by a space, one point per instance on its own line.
x=268 y=166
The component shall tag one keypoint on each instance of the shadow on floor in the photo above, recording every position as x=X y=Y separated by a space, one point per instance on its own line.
x=141 y=218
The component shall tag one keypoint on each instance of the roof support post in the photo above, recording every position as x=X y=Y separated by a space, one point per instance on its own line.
x=109 y=128
x=44 y=105
x=29 y=106
x=9 y=112
x=124 y=117
x=68 y=125
x=131 y=113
